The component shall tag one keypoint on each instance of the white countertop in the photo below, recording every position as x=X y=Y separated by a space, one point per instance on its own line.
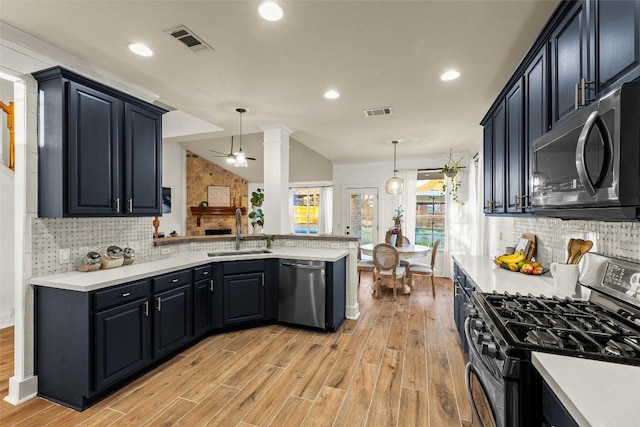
x=488 y=277
x=91 y=281
x=594 y=393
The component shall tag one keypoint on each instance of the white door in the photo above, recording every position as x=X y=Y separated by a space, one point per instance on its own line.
x=361 y=214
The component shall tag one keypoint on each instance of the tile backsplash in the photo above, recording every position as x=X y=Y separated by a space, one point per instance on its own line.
x=81 y=235
x=615 y=239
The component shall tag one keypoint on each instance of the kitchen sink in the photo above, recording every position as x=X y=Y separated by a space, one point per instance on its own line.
x=240 y=252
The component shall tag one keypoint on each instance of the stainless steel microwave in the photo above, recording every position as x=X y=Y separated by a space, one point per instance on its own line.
x=588 y=166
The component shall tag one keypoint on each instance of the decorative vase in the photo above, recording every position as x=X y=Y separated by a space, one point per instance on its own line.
x=398 y=225
x=257 y=229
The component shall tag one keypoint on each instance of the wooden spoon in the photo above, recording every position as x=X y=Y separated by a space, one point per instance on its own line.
x=569 y=246
x=583 y=248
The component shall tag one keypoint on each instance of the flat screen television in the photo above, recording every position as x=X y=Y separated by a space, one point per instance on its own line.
x=166 y=200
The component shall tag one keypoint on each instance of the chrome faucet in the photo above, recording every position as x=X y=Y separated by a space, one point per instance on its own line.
x=238 y=228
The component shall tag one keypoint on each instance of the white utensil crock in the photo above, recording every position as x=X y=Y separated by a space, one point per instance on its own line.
x=566 y=278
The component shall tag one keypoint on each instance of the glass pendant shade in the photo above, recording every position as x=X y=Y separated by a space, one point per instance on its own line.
x=394 y=185
x=241 y=160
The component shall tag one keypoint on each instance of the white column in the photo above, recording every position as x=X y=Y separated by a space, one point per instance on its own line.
x=276 y=180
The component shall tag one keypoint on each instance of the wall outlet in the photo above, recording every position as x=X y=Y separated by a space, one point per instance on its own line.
x=165 y=251
x=65 y=255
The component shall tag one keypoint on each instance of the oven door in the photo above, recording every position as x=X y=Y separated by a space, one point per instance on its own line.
x=485 y=385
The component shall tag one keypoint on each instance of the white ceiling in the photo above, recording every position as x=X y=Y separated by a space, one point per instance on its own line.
x=375 y=53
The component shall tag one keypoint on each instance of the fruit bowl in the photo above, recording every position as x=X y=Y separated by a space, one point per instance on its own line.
x=517 y=263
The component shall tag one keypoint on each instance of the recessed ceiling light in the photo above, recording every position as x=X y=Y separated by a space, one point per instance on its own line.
x=271 y=11
x=450 y=75
x=331 y=94
x=140 y=49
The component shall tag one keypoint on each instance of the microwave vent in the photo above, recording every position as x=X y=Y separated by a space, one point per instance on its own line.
x=379 y=111
x=188 y=38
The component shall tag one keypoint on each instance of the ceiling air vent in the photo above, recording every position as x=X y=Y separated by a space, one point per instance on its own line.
x=380 y=111
x=188 y=38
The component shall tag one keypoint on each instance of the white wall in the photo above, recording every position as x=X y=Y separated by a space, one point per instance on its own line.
x=6 y=96
x=7 y=271
x=174 y=163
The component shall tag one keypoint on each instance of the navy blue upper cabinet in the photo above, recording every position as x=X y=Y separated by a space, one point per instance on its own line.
x=617 y=42
x=99 y=150
x=496 y=202
x=515 y=178
x=487 y=149
x=570 y=62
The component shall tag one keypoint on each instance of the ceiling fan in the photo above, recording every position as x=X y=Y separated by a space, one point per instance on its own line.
x=239 y=158
x=230 y=156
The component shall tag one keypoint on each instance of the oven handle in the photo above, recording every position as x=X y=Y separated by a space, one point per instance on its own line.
x=581 y=149
x=472 y=403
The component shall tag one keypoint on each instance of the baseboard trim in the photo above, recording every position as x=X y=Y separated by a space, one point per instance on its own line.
x=352 y=311
x=21 y=391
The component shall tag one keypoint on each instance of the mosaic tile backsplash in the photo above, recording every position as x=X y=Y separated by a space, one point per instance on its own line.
x=615 y=239
x=81 y=235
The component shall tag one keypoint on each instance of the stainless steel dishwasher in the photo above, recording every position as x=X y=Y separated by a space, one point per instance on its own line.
x=302 y=293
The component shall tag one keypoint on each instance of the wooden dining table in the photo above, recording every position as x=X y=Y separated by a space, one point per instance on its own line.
x=408 y=251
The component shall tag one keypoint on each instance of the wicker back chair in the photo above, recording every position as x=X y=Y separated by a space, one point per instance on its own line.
x=426 y=269
x=386 y=260
x=364 y=264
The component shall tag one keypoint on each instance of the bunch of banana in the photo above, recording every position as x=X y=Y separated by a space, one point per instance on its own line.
x=511 y=261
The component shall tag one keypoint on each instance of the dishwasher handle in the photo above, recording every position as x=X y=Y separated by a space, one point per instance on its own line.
x=302 y=266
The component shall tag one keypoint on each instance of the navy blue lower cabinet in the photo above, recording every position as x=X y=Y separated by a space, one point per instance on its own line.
x=202 y=306
x=244 y=298
x=172 y=320
x=553 y=411
x=122 y=342
x=336 y=294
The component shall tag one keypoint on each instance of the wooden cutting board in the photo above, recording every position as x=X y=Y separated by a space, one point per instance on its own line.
x=532 y=246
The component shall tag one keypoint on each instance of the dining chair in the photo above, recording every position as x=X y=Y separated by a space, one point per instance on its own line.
x=425 y=269
x=388 y=236
x=365 y=263
x=386 y=260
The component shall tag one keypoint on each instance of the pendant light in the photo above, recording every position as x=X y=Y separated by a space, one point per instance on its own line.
x=394 y=185
x=241 y=158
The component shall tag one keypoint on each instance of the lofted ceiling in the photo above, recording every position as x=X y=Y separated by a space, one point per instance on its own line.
x=375 y=53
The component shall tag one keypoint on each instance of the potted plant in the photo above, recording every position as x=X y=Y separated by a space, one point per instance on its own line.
x=257 y=216
x=450 y=170
x=397 y=216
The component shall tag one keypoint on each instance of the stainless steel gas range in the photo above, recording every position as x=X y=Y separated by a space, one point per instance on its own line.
x=502 y=330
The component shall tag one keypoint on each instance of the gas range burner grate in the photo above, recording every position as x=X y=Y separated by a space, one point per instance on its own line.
x=564 y=326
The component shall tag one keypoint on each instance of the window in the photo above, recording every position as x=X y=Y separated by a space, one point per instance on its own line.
x=306 y=203
x=430 y=211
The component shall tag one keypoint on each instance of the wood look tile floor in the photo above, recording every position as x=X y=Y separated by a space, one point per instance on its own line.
x=399 y=364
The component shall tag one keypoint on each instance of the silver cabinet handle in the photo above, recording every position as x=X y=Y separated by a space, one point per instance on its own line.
x=146 y=308
x=211 y=285
x=517 y=197
x=126 y=294
x=583 y=86
x=130 y=205
x=576 y=103
x=117 y=204
x=262 y=275
x=174 y=280
x=159 y=307
x=205 y=273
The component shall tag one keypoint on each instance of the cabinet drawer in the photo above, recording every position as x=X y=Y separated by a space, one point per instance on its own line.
x=171 y=280
x=120 y=294
x=202 y=272
x=241 y=267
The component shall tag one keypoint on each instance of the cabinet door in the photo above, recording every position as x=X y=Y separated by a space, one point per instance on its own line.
x=143 y=161
x=202 y=307
x=243 y=298
x=617 y=45
x=487 y=153
x=94 y=152
x=172 y=319
x=536 y=114
x=121 y=342
x=515 y=149
x=499 y=148
x=569 y=60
